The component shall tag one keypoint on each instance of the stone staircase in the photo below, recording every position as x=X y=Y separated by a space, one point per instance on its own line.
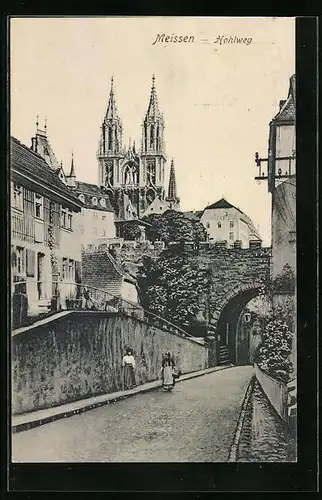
x=224 y=355
x=42 y=307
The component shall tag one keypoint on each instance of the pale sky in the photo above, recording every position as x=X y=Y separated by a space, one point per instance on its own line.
x=217 y=99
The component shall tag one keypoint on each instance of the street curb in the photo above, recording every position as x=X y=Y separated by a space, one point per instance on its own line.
x=235 y=445
x=105 y=400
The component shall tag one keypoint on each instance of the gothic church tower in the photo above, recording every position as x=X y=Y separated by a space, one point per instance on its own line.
x=132 y=179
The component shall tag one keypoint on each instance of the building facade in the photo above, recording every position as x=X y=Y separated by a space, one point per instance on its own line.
x=282 y=184
x=45 y=253
x=224 y=222
x=96 y=219
x=134 y=179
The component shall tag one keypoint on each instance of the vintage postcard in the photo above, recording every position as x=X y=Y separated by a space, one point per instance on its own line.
x=153 y=239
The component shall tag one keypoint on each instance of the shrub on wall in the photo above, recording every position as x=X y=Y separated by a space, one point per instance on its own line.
x=285 y=281
x=275 y=349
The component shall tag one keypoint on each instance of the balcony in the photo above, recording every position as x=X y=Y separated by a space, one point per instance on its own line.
x=23 y=227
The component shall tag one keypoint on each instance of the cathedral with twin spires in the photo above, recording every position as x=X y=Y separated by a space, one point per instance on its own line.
x=135 y=179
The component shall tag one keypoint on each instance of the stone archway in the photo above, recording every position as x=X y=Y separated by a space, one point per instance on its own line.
x=225 y=318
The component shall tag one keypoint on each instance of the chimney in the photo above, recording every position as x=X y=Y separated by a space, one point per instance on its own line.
x=34 y=144
x=221 y=244
x=255 y=243
x=282 y=102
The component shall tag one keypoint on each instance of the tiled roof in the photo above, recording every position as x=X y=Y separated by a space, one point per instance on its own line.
x=100 y=270
x=26 y=162
x=221 y=204
x=287 y=112
x=225 y=204
x=92 y=190
x=44 y=149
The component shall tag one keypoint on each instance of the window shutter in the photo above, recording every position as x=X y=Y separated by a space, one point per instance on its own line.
x=31 y=263
x=78 y=271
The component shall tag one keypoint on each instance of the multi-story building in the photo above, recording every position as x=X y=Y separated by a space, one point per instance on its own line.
x=134 y=179
x=44 y=250
x=224 y=222
x=280 y=173
x=96 y=219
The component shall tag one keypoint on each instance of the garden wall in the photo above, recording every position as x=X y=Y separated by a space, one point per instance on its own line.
x=275 y=391
x=79 y=355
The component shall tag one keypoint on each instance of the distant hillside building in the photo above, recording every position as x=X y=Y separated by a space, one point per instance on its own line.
x=224 y=222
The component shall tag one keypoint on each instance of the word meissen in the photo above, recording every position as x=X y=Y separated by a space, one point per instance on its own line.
x=173 y=38
x=232 y=39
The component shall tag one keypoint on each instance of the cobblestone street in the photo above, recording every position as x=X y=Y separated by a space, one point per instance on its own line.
x=194 y=423
x=264 y=437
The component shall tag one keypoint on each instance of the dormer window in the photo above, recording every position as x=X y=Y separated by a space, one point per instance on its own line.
x=103 y=202
x=94 y=200
x=81 y=198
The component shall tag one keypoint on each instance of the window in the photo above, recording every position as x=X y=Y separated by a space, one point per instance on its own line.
x=231 y=224
x=38 y=206
x=208 y=225
x=103 y=232
x=20 y=260
x=219 y=225
x=231 y=236
x=71 y=270
x=63 y=217
x=69 y=221
x=94 y=200
x=17 y=197
x=81 y=198
x=103 y=202
x=65 y=268
x=66 y=219
x=151 y=209
x=160 y=208
x=103 y=217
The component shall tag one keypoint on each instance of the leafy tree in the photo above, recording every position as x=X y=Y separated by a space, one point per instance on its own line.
x=151 y=232
x=174 y=226
x=171 y=287
x=131 y=231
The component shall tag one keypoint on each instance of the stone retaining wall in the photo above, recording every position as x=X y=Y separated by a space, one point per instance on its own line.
x=79 y=355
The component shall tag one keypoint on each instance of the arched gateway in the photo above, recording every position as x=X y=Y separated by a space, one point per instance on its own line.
x=237 y=276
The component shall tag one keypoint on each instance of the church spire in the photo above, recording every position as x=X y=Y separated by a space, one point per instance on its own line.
x=111 y=112
x=111 y=137
x=153 y=109
x=71 y=178
x=172 y=197
x=72 y=168
x=153 y=126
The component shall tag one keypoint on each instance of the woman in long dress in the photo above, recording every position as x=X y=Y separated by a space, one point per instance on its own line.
x=168 y=380
x=128 y=364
